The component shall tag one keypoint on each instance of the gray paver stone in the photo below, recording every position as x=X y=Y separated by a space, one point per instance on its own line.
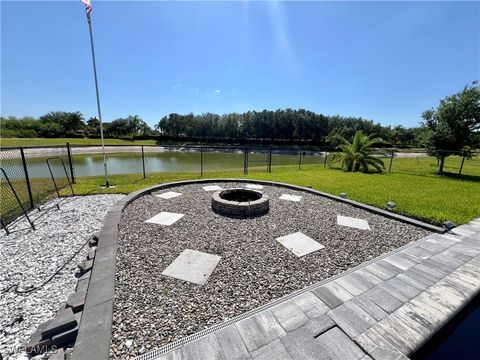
x=311 y=305
x=380 y=353
x=65 y=338
x=354 y=283
x=289 y=315
x=339 y=346
x=231 y=344
x=380 y=272
x=370 y=307
x=318 y=325
x=352 y=319
x=273 y=351
x=389 y=267
x=402 y=337
x=383 y=299
x=401 y=286
x=62 y=322
x=371 y=339
x=76 y=301
x=259 y=330
x=332 y=294
x=419 y=252
x=205 y=348
x=412 y=282
x=301 y=345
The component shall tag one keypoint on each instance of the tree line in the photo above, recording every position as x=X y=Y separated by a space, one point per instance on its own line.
x=57 y=124
x=454 y=126
x=273 y=126
x=279 y=126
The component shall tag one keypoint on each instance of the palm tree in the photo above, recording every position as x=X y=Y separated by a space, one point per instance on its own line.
x=357 y=155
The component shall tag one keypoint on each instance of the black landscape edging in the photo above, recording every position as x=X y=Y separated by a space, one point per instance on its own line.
x=95 y=331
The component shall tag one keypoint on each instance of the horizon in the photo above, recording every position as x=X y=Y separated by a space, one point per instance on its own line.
x=381 y=61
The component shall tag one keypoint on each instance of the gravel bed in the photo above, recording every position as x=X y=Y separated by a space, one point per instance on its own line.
x=151 y=310
x=30 y=257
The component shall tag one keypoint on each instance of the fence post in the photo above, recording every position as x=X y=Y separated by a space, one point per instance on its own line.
x=201 y=161
x=270 y=159
x=300 y=160
x=27 y=179
x=391 y=160
x=461 y=166
x=325 y=160
x=143 y=163
x=70 y=162
x=245 y=160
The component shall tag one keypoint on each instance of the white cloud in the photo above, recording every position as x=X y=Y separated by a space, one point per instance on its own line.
x=218 y=91
x=176 y=86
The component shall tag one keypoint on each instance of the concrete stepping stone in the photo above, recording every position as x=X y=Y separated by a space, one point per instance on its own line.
x=353 y=222
x=168 y=195
x=289 y=197
x=212 y=188
x=192 y=266
x=165 y=218
x=299 y=244
x=254 y=186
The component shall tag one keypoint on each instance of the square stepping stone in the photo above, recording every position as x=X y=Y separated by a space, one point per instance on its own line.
x=299 y=243
x=212 y=188
x=254 y=186
x=353 y=222
x=165 y=218
x=192 y=266
x=168 y=195
x=290 y=197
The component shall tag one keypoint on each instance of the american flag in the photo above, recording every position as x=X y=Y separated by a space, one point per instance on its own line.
x=88 y=8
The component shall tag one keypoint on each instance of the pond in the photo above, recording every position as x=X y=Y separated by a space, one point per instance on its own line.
x=131 y=163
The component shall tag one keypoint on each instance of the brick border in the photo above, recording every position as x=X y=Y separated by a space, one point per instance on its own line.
x=95 y=331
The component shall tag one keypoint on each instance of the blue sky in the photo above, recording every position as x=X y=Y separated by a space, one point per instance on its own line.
x=385 y=61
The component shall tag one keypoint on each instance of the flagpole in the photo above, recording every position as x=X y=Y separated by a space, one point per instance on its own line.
x=98 y=101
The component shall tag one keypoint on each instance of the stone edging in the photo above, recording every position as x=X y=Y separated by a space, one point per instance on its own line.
x=95 y=330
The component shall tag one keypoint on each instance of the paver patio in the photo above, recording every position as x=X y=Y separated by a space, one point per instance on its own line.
x=383 y=309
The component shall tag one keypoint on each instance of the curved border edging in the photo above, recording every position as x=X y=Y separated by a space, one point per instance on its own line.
x=95 y=331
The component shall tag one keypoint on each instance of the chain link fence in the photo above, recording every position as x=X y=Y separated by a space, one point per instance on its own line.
x=31 y=169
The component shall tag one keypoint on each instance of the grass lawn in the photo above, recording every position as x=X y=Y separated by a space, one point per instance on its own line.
x=425 y=196
x=16 y=142
x=413 y=185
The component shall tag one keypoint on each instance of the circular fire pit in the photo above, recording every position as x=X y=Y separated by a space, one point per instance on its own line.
x=240 y=202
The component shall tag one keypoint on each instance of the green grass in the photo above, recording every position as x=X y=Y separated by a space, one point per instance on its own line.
x=413 y=185
x=425 y=196
x=42 y=191
x=17 y=142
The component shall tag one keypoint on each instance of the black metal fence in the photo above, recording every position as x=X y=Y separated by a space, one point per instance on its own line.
x=31 y=171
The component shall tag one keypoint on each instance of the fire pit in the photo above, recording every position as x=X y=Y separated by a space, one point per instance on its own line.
x=240 y=202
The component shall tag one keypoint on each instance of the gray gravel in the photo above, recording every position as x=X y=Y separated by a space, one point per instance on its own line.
x=151 y=310
x=29 y=257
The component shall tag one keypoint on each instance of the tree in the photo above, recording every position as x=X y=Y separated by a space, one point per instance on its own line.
x=357 y=155
x=68 y=122
x=93 y=126
x=130 y=126
x=454 y=124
